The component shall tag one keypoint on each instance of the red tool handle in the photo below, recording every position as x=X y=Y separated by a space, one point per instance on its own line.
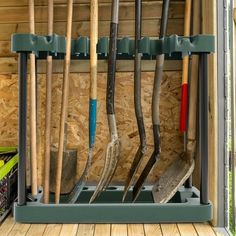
x=184 y=96
x=183 y=108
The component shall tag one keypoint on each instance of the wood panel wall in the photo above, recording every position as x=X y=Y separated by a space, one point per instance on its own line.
x=14 y=18
x=209 y=25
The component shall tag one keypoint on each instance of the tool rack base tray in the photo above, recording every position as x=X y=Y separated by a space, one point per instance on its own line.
x=184 y=207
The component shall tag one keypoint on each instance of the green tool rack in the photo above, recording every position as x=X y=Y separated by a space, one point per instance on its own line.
x=188 y=204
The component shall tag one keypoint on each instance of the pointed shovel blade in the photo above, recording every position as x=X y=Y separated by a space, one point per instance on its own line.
x=171 y=180
x=139 y=184
x=133 y=170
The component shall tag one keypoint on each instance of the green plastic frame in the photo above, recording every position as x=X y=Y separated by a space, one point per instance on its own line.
x=173 y=46
x=185 y=207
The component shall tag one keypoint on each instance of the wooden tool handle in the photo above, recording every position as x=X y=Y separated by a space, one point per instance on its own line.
x=93 y=71
x=187 y=20
x=48 y=109
x=193 y=87
x=184 y=97
x=50 y=17
x=31 y=17
x=93 y=47
x=65 y=97
x=33 y=121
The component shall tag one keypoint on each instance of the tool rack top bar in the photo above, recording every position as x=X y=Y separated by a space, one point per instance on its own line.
x=172 y=46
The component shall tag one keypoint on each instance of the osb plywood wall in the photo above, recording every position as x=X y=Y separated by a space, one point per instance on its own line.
x=14 y=18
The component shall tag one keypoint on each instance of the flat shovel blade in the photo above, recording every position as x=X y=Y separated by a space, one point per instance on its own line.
x=171 y=180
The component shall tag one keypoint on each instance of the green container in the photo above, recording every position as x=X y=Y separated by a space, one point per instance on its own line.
x=8 y=179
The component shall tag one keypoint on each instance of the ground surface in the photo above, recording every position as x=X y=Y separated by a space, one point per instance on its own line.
x=9 y=227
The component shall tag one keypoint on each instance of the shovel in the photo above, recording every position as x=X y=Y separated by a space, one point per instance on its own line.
x=113 y=148
x=180 y=171
x=155 y=107
x=69 y=164
x=73 y=196
x=48 y=109
x=33 y=121
x=137 y=102
x=64 y=106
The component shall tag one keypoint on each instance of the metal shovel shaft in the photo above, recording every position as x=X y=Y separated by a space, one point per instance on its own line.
x=179 y=172
x=155 y=105
x=137 y=101
x=156 y=128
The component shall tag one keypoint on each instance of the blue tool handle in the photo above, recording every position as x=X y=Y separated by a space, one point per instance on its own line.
x=92 y=121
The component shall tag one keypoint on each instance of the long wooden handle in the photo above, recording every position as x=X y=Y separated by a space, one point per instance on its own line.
x=48 y=109
x=93 y=47
x=33 y=121
x=93 y=70
x=187 y=21
x=193 y=87
x=184 y=97
x=65 y=97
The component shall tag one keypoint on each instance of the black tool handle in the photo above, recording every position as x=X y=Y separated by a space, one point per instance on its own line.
x=137 y=74
x=203 y=127
x=22 y=129
x=112 y=58
x=156 y=103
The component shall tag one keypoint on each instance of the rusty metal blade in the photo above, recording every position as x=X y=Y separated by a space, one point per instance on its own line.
x=113 y=163
x=110 y=161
